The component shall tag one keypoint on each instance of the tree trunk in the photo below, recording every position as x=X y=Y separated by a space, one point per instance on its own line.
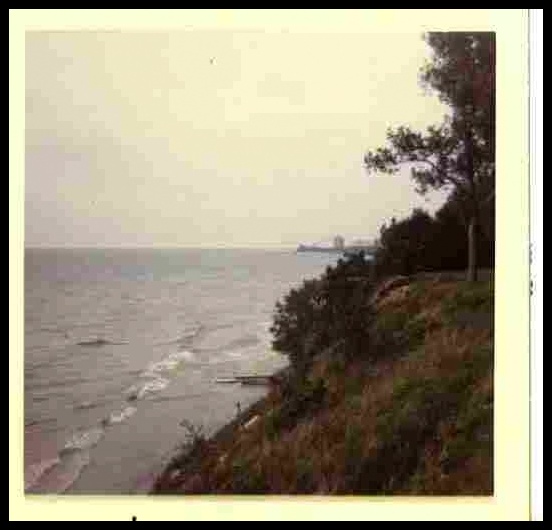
x=472 y=250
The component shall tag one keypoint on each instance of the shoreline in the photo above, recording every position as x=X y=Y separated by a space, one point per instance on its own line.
x=221 y=435
x=343 y=420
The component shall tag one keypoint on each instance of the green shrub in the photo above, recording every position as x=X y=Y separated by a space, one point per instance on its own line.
x=305 y=482
x=272 y=423
x=324 y=312
x=395 y=332
x=190 y=449
x=474 y=433
x=416 y=409
x=421 y=242
x=353 y=447
x=304 y=400
x=471 y=305
x=246 y=478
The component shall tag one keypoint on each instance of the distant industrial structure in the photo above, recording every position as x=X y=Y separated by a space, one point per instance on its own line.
x=339 y=243
x=339 y=246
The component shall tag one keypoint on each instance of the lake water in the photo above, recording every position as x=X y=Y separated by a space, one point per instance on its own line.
x=122 y=345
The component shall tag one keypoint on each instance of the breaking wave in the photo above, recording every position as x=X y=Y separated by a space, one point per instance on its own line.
x=83 y=440
x=119 y=417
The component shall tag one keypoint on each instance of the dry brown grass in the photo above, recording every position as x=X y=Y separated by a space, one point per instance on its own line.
x=348 y=441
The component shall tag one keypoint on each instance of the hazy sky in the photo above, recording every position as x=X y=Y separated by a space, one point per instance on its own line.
x=208 y=138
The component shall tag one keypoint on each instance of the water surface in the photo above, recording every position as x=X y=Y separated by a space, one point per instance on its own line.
x=122 y=345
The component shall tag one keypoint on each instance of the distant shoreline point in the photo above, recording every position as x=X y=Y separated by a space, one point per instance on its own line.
x=335 y=250
x=308 y=248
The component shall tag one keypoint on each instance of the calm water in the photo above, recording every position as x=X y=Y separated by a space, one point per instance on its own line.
x=122 y=345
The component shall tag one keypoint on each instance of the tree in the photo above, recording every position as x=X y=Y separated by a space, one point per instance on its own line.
x=450 y=235
x=424 y=243
x=406 y=247
x=331 y=311
x=460 y=153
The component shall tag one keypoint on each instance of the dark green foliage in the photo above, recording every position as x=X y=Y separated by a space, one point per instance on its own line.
x=473 y=436
x=471 y=306
x=449 y=246
x=462 y=72
x=475 y=297
x=247 y=479
x=298 y=326
x=305 y=479
x=354 y=443
x=421 y=424
x=302 y=399
x=424 y=243
x=417 y=408
x=395 y=332
x=480 y=363
x=331 y=311
x=459 y=154
x=405 y=245
x=272 y=424
x=191 y=448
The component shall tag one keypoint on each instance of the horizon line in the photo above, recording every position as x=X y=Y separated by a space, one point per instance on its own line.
x=159 y=247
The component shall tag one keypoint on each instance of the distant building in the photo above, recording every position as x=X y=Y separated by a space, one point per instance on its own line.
x=339 y=247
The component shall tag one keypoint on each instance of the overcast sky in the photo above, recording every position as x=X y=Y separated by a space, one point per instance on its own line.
x=216 y=138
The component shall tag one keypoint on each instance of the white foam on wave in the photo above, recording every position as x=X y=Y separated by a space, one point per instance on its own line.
x=185 y=355
x=168 y=364
x=152 y=386
x=165 y=365
x=60 y=477
x=234 y=354
x=131 y=392
x=155 y=375
x=34 y=471
x=156 y=385
x=119 y=417
x=56 y=473
x=83 y=439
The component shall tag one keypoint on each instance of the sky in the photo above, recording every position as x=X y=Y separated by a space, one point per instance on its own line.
x=208 y=138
